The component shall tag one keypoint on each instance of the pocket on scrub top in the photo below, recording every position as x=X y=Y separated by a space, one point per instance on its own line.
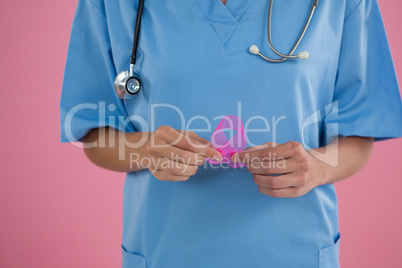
x=329 y=256
x=131 y=260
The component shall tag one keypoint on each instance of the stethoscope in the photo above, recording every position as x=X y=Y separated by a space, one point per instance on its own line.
x=128 y=83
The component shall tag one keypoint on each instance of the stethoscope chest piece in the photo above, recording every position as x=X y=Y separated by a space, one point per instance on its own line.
x=127 y=86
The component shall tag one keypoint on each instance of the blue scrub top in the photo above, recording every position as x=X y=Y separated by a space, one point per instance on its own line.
x=195 y=67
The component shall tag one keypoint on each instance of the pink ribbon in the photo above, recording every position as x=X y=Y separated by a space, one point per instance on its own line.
x=233 y=125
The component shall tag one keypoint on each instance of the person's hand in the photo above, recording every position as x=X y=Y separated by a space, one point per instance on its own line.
x=281 y=170
x=174 y=155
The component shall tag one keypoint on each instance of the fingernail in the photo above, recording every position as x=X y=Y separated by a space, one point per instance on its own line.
x=234 y=158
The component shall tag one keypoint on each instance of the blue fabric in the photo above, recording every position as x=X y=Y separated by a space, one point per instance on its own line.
x=131 y=260
x=193 y=55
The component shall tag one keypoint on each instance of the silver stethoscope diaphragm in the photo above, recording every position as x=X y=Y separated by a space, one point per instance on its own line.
x=127 y=85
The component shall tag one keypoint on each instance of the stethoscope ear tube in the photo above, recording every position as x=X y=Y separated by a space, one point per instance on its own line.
x=302 y=55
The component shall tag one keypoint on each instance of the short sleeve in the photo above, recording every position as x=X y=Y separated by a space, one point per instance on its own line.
x=367 y=96
x=88 y=100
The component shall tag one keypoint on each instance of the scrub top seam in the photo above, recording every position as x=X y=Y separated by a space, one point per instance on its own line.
x=245 y=11
x=113 y=63
x=98 y=8
x=351 y=13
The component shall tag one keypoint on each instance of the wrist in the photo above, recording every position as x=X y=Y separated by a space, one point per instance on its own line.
x=322 y=171
x=137 y=148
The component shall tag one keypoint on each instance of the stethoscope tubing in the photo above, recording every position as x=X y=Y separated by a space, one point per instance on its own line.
x=126 y=78
x=284 y=57
x=137 y=29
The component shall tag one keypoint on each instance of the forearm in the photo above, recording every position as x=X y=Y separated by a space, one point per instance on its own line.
x=112 y=149
x=338 y=161
x=169 y=154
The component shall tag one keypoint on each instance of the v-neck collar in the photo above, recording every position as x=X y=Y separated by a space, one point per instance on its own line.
x=223 y=18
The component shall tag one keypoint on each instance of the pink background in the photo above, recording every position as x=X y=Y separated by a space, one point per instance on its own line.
x=59 y=210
